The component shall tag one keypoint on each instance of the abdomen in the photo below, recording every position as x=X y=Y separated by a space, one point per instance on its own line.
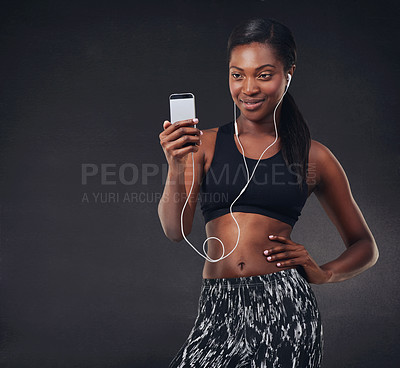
x=248 y=258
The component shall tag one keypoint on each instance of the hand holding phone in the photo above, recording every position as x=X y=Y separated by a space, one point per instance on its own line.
x=181 y=135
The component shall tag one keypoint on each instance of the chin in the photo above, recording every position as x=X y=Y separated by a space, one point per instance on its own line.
x=253 y=116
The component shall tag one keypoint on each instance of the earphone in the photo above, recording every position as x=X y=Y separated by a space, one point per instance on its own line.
x=289 y=78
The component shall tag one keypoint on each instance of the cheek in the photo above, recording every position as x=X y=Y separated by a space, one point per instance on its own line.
x=272 y=89
x=275 y=89
x=234 y=89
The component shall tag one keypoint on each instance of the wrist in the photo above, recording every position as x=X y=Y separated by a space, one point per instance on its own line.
x=328 y=275
x=176 y=171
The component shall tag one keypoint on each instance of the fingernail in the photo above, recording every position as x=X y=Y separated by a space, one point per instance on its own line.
x=271 y=236
x=269 y=258
x=278 y=264
x=265 y=252
x=195 y=120
x=201 y=132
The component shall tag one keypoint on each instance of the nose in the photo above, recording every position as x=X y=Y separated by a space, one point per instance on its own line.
x=250 y=86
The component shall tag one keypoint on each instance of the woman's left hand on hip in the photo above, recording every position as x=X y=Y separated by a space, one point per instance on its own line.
x=287 y=253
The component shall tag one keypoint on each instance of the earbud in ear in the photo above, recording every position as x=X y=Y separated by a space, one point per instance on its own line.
x=289 y=78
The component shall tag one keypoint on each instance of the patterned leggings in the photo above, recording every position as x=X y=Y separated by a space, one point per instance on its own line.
x=265 y=321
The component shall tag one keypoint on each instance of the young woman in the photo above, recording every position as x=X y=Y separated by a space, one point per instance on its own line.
x=257 y=308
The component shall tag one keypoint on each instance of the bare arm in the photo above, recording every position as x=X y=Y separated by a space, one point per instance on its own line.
x=334 y=193
x=179 y=179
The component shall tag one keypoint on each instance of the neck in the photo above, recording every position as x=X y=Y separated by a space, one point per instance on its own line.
x=263 y=127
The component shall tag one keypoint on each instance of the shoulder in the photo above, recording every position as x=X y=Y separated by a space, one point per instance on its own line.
x=320 y=153
x=325 y=164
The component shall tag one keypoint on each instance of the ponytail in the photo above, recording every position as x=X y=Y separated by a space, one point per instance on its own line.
x=295 y=137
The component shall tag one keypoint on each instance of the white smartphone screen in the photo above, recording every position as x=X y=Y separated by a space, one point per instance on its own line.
x=182 y=107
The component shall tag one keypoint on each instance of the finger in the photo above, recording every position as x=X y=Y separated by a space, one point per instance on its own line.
x=289 y=262
x=174 y=131
x=283 y=255
x=165 y=135
x=280 y=248
x=277 y=238
x=185 y=131
x=182 y=152
x=166 y=124
x=183 y=141
x=280 y=238
x=180 y=123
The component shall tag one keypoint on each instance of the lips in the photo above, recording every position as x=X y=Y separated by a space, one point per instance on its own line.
x=252 y=104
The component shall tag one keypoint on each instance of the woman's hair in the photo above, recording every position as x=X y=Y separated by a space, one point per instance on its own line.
x=293 y=129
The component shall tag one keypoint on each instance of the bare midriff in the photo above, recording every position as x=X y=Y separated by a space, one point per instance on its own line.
x=248 y=258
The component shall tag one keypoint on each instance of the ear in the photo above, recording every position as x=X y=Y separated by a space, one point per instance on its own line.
x=291 y=70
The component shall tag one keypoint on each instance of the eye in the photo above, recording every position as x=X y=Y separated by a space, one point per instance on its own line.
x=236 y=75
x=265 y=76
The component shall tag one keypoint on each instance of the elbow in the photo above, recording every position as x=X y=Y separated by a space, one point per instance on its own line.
x=375 y=257
x=374 y=254
x=175 y=239
x=171 y=235
x=173 y=230
x=175 y=235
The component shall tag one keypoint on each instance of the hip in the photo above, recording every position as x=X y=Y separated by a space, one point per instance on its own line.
x=242 y=264
x=286 y=289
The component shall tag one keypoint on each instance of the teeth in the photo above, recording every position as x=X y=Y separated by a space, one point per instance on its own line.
x=251 y=103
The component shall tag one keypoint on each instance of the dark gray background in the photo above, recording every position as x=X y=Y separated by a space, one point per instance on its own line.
x=98 y=284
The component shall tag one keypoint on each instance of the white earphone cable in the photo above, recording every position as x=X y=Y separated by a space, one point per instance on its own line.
x=248 y=181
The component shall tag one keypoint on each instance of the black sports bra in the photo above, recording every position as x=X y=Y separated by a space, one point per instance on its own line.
x=274 y=190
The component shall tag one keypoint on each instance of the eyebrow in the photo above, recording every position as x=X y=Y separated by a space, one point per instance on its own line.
x=260 y=67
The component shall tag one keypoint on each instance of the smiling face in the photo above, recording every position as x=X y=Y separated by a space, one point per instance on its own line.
x=256 y=81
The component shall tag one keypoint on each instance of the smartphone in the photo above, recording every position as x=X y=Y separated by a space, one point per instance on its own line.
x=182 y=108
